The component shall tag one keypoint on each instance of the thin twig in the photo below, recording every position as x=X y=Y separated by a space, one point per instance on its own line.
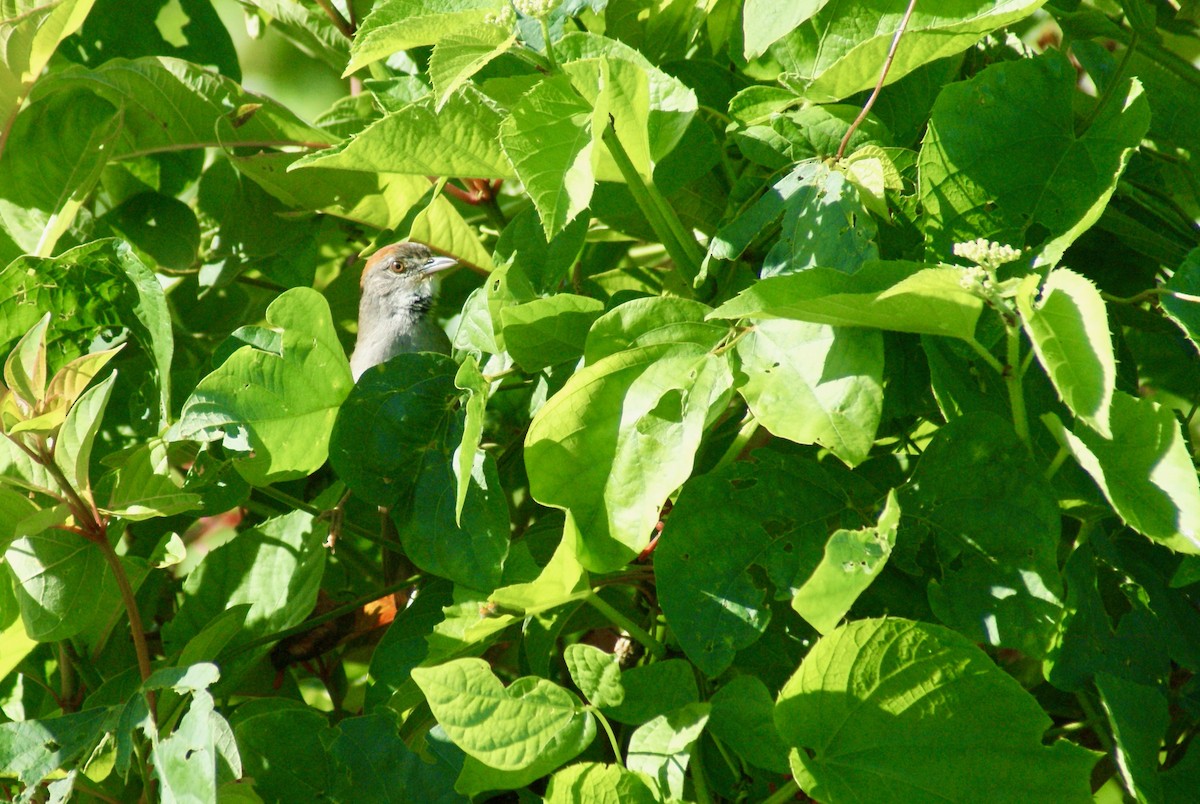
x=887 y=65
x=341 y=23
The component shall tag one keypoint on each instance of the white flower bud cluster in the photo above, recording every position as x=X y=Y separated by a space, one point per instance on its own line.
x=990 y=255
x=976 y=278
x=535 y=8
x=505 y=17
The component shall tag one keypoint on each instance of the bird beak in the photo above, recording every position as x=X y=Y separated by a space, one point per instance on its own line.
x=437 y=264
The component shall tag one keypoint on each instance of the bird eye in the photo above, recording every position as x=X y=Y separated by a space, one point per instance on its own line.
x=397 y=267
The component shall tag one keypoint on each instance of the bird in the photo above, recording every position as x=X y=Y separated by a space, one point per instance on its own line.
x=399 y=286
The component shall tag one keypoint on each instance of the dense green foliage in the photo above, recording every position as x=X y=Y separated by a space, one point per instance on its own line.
x=779 y=451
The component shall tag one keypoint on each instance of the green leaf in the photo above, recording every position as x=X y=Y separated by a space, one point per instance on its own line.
x=396 y=25
x=650 y=321
x=186 y=763
x=766 y=21
x=275 y=567
x=1144 y=470
x=655 y=689
x=852 y=560
x=1021 y=112
x=662 y=747
x=285 y=751
x=875 y=705
x=470 y=549
x=94 y=289
x=546 y=331
x=619 y=438
x=672 y=103
x=596 y=673
x=459 y=139
x=31 y=750
x=1068 y=326
x=25 y=367
x=394 y=445
x=460 y=55
x=56 y=576
x=31 y=30
x=604 y=784
x=169 y=105
x=281 y=406
x=476 y=777
x=43 y=188
x=145 y=487
x=380 y=200
x=743 y=717
x=1182 y=305
x=73 y=447
x=548 y=138
x=839 y=51
x=469 y=379
x=815 y=384
x=376 y=765
x=730 y=529
x=560 y=581
x=503 y=728
x=824 y=224
x=997 y=527
x=896 y=295
x=1139 y=719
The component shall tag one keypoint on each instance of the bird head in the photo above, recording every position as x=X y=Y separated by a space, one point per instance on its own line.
x=404 y=277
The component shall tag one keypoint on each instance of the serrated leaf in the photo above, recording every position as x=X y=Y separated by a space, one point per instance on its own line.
x=1068 y=326
x=283 y=405
x=910 y=689
x=618 y=438
x=895 y=295
x=459 y=139
x=1182 y=304
x=853 y=559
x=504 y=728
x=169 y=104
x=396 y=25
x=838 y=51
x=1144 y=470
x=815 y=384
x=548 y=139
x=460 y=55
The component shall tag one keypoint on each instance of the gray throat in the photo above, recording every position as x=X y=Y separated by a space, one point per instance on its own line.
x=395 y=322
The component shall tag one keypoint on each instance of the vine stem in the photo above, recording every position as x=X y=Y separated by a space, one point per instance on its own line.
x=612 y=737
x=679 y=243
x=987 y=356
x=1012 y=378
x=633 y=629
x=549 y=48
x=131 y=609
x=887 y=65
x=785 y=792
